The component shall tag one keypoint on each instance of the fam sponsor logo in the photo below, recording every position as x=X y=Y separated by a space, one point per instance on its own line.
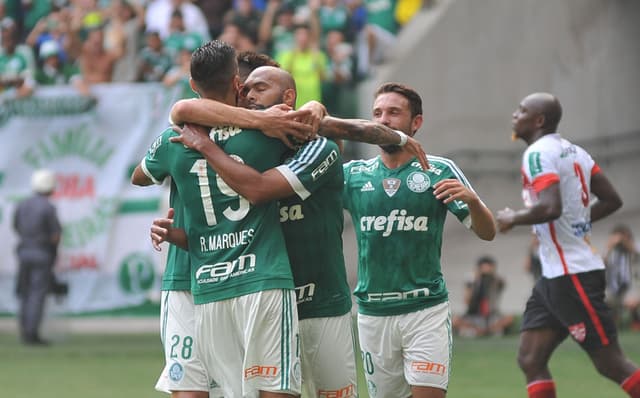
x=393 y=296
x=433 y=368
x=325 y=165
x=397 y=220
x=261 y=371
x=344 y=392
x=219 y=272
x=363 y=168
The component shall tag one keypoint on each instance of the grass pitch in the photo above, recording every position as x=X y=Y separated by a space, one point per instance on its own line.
x=106 y=366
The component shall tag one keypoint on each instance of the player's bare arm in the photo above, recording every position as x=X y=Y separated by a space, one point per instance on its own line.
x=371 y=133
x=317 y=112
x=608 y=199
x=256 y=187
x=482 y=221
x=138 y=177
x=277 y=122
x=548 y=208
x=162 y=230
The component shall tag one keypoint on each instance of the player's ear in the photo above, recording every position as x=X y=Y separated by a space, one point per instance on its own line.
x=192 y=84
x=540 y=120
x=289 y=97
x=416 y=123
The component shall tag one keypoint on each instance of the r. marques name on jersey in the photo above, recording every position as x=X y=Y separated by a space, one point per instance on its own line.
x=397 y=220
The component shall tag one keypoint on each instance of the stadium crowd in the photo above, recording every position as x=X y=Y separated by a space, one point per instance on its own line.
x=327 y=45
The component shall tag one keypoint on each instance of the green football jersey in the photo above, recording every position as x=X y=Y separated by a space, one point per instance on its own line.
x=177 y=271
x=399 y=225
x=235 y=248
x=312 y=223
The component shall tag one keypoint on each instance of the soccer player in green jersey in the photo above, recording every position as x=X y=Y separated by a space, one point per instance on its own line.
x=241 y=278
x=310 y=188
x=398 y=211
x=183 y=375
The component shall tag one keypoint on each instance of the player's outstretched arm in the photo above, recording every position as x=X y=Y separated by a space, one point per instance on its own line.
x=482 y=221
x=371 y=133
x=608 y=199
x=277 y=122
x=162 y=230
x=256 y=187
x=548 y=208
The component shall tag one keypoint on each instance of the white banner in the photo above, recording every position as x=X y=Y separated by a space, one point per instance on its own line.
x=92 y=146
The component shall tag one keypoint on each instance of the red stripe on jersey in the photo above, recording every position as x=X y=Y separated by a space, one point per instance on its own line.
x=632 y=384
x=545 y=181
x=525 y=180
x=595 y=169
x=576 y=283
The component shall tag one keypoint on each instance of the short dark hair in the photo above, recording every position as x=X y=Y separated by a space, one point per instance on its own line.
x=213 y=66
x=552 y=114
x=415 y=102
x=251 y=60
x=486 y=259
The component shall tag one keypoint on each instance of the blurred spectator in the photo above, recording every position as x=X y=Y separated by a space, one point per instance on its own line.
x=159 y=14
x=154 y=60
x=307 y=64
x=124 y=30
x=337 y=89
x=532 y=263
x=621 y=261
x=236 y=36
x=36 y=223
x=55 y=27
x=275 y=34
x=32 y=12
x=214 y=11
x=16 y=79
x=376 y=40
x=95 y=61
x=178 y=35
x=86 y=15
x=482 y=296
x=333 y=15
x=246 y=17
x=180 y=73
x=54 y=70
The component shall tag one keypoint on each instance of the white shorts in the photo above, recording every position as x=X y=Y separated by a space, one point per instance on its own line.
x=256 y=338
x=183 y=370
x=406 y=350
x=328 y=358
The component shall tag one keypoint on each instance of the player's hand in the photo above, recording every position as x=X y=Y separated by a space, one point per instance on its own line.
x=287 y=126
x=452 y=189
x=318 y=112
x=191 y=135
x=504 y=219
x=413 y=147
x=160 y=230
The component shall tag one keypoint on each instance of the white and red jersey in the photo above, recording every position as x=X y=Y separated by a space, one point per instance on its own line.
x=565 y=246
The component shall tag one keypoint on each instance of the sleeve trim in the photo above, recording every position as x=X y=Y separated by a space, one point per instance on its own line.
x=544 y=181
x=294 y=181
x=146 y=172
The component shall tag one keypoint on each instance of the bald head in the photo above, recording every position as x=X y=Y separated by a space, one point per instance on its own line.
x=547 y=105
x=276 y=76
x=267 y=86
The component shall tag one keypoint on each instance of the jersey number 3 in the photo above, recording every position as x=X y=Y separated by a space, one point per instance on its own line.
x=199 y=168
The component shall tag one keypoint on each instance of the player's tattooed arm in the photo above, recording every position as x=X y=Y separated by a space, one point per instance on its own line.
x=371 y=133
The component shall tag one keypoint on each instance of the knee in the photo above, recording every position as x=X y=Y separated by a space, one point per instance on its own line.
x=530 y=362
